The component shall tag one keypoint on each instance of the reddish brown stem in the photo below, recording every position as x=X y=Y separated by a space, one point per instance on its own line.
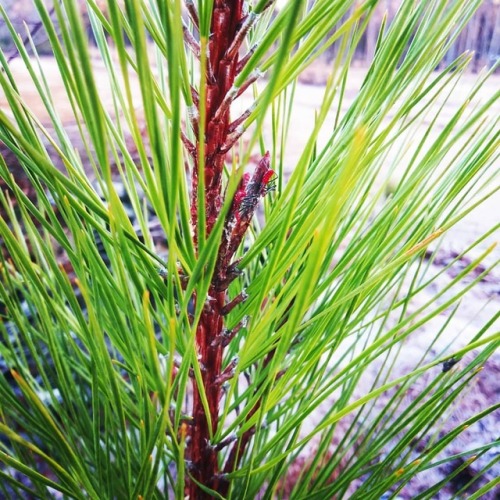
x=204 y=457
x=204 y=466
x=228 y=30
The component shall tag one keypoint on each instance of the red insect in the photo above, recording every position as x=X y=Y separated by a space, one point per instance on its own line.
x=269 y=181
x=268 y=176
x=238 y=197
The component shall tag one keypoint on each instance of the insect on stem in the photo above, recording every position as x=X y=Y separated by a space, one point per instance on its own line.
x=449 y=364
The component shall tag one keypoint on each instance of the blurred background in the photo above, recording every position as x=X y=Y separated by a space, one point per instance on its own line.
x=481 y=35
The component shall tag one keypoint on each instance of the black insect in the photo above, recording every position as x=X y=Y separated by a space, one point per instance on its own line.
x=449 y=364
x=249 y=203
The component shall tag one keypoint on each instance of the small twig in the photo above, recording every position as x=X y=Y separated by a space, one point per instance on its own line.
x=233 y=268
x=243 y=61
x=225 y=442
x=220 y=339
x=228 y=372
x=191 y=373
x=195 y=96
x=224 y=106
x=191 y=41
x=239 y=447
x=232 y=139
x=234 y=92
x=241 y=297
x=247 y=24
x=226 y=335
x=234 y=125
x=190 y=147
x=252 y=78
x=193 y=13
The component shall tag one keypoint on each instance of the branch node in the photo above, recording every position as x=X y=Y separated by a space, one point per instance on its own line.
x=225 y=442
x=243 y=61
x=232 y=139
x=225 y=337
x=245 y=27
x=224 y=106
x=228 y=372
x=252 y=78
x=233 y=126
x=241 y=297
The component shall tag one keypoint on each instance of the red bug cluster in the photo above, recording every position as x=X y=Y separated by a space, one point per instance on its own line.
x=250 y=190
